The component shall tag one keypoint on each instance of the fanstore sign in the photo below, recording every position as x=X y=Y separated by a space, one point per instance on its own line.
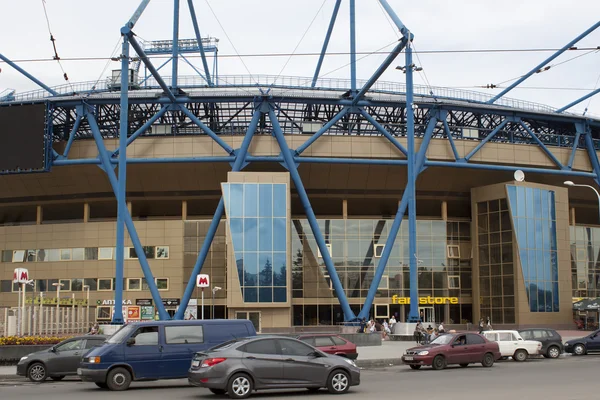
x=425 y=300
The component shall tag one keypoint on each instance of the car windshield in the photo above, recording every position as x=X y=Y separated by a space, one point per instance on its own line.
x=444 y=339
x=121 y=334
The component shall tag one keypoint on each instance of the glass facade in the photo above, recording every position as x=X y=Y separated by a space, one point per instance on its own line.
x=534 y=220
x=496 y=270
x=585 y=261
x=257 y=218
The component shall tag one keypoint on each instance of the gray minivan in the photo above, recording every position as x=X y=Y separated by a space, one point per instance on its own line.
x=156 y=350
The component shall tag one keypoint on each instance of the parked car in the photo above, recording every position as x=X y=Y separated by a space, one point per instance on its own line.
x=552 y=343
x=513 y=345
x=331 y=344
x=59 y=360
x=242 y=366
x=584 y=345
x=457 y=348
x=156 y=350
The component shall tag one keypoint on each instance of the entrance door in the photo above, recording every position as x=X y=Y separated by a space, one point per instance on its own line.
x=252 y=316
x=427 y=314
x=382 y=311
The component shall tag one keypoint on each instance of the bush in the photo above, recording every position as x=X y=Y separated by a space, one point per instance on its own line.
x=29 y=340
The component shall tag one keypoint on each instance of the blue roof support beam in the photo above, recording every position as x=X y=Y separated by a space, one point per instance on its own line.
x=238 y=165
x=336 y=10
x=383 y=131
x=353 y=46
x=321 y=131
x=543 y=63
x=207 y=130
x=195 y=69
x=72 y=135
x=29 y=76
x=157 y=69
x=199 y=39
x=138 y=49
x=592 y=154
x=579 y=128
x=144 y=127
x=137 y=14
x=401 y=27
x=450 y=139
x=542 y=145
x=310 y=214
x=135 y=239
x=579 y=100
x=175 y=56
x=487 y=139
x=386 y=63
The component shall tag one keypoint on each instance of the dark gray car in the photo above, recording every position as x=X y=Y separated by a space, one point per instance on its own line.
x=59 y=360
x=240 y=367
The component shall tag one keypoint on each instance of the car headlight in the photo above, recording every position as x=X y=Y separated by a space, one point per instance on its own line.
x=350 y=362
x=23 y=358
x=423 y=353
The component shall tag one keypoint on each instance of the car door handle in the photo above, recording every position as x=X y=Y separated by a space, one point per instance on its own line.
x=332 y=348
x=76 y=354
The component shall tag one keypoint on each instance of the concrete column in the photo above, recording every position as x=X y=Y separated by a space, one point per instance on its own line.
x=345 y=209
x=572 y=215
x=184 y=210
x=86 y=213
x=40 y=215
x=444 y=211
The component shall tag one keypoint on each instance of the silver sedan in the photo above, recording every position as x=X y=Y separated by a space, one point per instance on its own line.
x=242 y=366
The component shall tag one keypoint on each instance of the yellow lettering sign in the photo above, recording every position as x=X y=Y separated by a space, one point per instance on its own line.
x=426 y=300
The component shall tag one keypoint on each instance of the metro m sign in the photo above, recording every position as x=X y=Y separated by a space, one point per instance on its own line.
x=21 y=275
x=202 y=281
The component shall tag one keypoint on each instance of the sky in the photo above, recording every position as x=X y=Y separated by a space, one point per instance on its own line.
x=85 y=28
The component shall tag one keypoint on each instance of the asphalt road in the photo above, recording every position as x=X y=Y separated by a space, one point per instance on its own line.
x=569 y=378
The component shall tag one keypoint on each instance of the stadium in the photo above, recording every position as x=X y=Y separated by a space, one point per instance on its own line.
x=309 y=202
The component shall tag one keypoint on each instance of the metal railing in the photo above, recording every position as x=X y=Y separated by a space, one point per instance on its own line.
x=44 y=321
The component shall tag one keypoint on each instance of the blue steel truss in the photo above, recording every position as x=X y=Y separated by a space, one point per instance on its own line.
x=220 y=106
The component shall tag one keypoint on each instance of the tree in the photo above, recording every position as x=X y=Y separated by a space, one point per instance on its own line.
x=266 y=274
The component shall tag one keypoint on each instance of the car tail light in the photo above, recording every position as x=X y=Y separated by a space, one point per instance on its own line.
x=94 y=360
x=209 y=362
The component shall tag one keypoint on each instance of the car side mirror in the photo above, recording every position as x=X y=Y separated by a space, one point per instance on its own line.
x=314 y=354
x=130 y=341
x=53 y=349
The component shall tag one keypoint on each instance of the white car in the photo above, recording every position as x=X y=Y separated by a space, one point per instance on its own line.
x=511 y=344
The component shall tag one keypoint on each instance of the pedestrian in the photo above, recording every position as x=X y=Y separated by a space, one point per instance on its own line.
x=488 y=324
x=428 y=333
x=480 y=325
x=440 y=328
x=363 y=325
x=417 y=333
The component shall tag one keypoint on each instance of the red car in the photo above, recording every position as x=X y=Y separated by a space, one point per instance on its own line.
x=331 y=344
x=455 y=348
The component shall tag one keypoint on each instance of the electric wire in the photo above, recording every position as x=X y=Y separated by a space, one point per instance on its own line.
x=590 y=99
x=53 y=40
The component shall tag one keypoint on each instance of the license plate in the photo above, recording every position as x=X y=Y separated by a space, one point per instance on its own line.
x=195 y=363
x=78 y=371
x=408 y=358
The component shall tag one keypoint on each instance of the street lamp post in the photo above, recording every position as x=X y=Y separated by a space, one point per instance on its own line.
x=58 y=285
x=570 y=183
x=87 y=306
x=215 y=289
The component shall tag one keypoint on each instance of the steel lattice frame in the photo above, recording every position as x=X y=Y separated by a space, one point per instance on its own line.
x=219 y=107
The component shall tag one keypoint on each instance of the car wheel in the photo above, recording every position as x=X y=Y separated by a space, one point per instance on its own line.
x=520 y=355
x=338 y=382
x=579 y=350
x=553 y=352
x=415 y=366
x=118 y=379
x=488 y=360
x=439 y=362
x=101 y=385
x=464 y=365
x=240 y=386
x=37 y=372
x=217 y=391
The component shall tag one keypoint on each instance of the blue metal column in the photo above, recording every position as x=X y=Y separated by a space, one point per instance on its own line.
x=336 y=9
x=175 y=58
x=121 y=203
x=28 y=75
x=410 y=187
x=353 y=45
x=72 y=135
x=199 y=39
x=579 y=100
x=589 y=144
x=212 y=229
x=310 y=215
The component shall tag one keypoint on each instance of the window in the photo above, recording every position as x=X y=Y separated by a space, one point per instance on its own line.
x=581 y=255
x=92 y=283
x=66 y=285
x=323 y=341
x=18 y=256
x=65 y=255
x=539 y=334
x=145 y=284
x=149 y=251
x=184 y=334
x=328 y=245
x=131 y=253
x=134 y=284
x=453 y=282
x=78 y=254
x=76 y=285
x=93 y=342
x=295 y=348
x=384 y=283
x=6 y=285
x=70 y=346
x=474 y=339
x=7 y=255
x=453 y=251
x=41 y=285
x=265 y=346
x=53 y=255
x=104 y=313
x=105 y=253
x=527 y=335
x=105 y=284
x=379 y=250
x=162 y=252
x=162 y=283
x=309 y=340
x=91 y=253
x=41 y=255
x=31 y=256
x=146 y=336
x=506 y=337
x=338 y=341
x=491 y=336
